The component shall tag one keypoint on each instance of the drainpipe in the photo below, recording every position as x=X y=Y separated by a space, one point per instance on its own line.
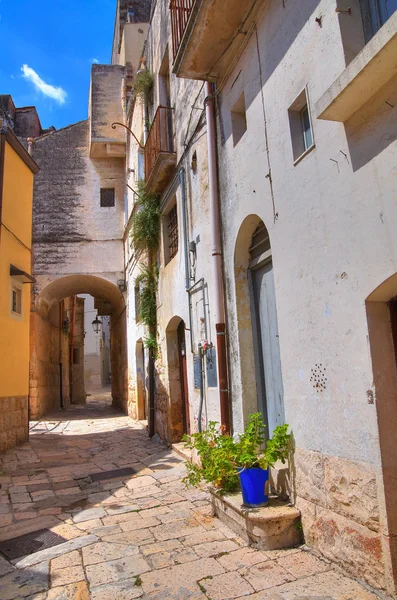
x=71 y=349
x=216 y=259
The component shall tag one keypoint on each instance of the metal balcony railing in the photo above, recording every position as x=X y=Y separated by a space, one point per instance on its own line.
x=180 y=13
x=160 y=138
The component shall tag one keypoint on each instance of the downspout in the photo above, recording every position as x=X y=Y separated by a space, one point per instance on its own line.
x=216 y=259
x=71 y=349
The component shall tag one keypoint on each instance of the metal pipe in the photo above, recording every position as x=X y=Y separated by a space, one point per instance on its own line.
x=184 y=225
x=217 y=258
x=129 y=130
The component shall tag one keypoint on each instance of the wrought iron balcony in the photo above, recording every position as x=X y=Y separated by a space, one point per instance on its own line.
x=160 y=156
x=207 y=35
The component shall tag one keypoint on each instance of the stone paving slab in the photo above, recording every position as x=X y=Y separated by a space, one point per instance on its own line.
x=144 y=536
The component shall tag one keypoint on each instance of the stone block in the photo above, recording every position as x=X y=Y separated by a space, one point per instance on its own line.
x=310 y=476
x=351 y=491
x=270 y=528
x=355 y=547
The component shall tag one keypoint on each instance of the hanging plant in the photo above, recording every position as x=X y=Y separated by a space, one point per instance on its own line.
x=147 y=282
x=146 y=225
x=145 y=236
x=143 y=85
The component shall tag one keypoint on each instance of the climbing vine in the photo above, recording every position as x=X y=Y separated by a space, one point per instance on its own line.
x=146 y=225
x=146 y=238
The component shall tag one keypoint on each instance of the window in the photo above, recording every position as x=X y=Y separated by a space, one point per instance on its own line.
x=375 y=13
x=306 y=128
x=239 y=120
x=172 y=219
x=107 y=197
x=16 y=300
x=300 y=126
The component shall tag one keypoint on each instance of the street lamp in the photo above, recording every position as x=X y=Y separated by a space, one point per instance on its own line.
x=96 y=324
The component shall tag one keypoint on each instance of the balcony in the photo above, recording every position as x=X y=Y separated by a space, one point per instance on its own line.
x=206 y=37
x=160 y=157
x=373 y=68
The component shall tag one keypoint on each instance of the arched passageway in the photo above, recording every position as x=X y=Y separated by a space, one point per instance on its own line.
x=57 y=333
x=257 y=323
x=381 y=307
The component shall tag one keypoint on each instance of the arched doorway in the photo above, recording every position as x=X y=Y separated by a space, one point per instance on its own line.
x=381 y=307
x=179 y=414
x=257 y=323
x=52 y=320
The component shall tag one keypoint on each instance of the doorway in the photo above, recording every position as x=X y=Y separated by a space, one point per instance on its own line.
x=142 y=407
x=183 y=377
x=265 y=330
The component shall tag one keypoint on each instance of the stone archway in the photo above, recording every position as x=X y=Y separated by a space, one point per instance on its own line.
x=49 y=379
x=381 y=306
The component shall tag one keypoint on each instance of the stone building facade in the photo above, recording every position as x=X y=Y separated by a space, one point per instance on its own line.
x=269 y=138
x=306 y=156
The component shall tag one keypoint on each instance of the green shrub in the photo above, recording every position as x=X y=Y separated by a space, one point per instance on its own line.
x=222 y=457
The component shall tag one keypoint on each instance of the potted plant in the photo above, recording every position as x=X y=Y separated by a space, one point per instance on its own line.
x=226 y=462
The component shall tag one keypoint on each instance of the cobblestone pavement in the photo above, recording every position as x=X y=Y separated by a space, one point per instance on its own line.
x=139 y=536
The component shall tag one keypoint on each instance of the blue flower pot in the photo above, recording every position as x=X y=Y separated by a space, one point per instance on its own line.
x=253 y=486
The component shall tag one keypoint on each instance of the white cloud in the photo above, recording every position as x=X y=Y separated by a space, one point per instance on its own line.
x=57 y=93
x=95 y=61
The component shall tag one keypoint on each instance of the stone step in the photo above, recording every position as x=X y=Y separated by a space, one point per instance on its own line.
x=272 y=527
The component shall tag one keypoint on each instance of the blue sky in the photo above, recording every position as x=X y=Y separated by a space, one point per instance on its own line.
x=57 y=41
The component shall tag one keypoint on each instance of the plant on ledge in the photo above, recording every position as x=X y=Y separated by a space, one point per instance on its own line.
x=226 y=462
x=143 y=85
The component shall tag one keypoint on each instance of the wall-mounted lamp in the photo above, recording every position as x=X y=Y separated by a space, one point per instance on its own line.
x=122 y=285
x=97 y=324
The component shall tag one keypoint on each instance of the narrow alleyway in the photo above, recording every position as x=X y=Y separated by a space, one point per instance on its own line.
x=123 y=535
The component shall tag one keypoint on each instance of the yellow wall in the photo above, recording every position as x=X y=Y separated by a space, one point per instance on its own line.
x=14 y=330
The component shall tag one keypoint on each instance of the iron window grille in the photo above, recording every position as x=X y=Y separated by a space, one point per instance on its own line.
x=172 y=232
x=107 y=197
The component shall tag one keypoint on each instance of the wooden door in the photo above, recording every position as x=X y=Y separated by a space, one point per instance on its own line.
x=267 y=349
x=183 y=377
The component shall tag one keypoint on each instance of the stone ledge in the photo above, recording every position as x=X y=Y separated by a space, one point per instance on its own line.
x=273 y=527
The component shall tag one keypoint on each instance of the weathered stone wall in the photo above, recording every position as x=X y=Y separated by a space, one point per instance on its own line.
x=14 y=422
x=105 y=101
x=49 y=354
x=77 y=243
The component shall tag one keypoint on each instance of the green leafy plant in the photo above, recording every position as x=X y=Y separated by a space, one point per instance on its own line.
x=147 y=281
x=222 y=457
x=144 y=82
x=146 y=224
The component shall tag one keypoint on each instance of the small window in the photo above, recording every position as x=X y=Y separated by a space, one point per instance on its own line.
x=300 y=126
x=172 y=225
x=239 y=119
x=16 y=300
x=107 y=197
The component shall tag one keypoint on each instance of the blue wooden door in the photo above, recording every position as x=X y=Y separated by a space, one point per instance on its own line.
x=267 y=349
